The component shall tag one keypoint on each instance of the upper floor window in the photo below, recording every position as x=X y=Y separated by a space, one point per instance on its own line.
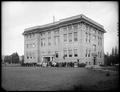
x=100 y=54
x=86 y=36
x=49 y=52
x=94 y=47
x=49 y=34
x=94 y=37
x=100 y=41
x=30 y=35
x=89 y=37
x=87 y=27
x=86 y=53
x=70 y=37
x=33 y=45
x=83 y=26
x=65 y=37
x=75 y=36
x=41 y=42
x=69 y=27
x=56 y=40
x=65 y=29
x=27 y=45
x=89 y=54
x=75 y=27
x=49 y=43
x=56 y=32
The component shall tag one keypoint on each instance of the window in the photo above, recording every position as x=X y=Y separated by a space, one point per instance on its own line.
x=86 y=36
x=49 y=43
x=33 y=45
x=94 y=37
x=56 y=54
x=44 y=41
x=49 y=52
x=86 y=53
x=75 y=53
x=33 y=55
x=26 y=36
x=80 y=25
x=30 y=35
x=101 y=41
x=94 y=47
x=27 y=45
x=100 y=54
x=83 y=26
x=65 y=53
x=75 y=36
x=98 y=40
x=65 y=37
x=65 y=29
x=89 y=37
x=27 y=55
x=56 y=32
x=56 y=40
x=75 y=27
x=70 y=53
x=30 y=55
x=69 y=27
x=89 y=54
x=49 y=34
x=94 y=31
x=41 y=42
x=33 y=35
x=87 y=27
x=70 y=37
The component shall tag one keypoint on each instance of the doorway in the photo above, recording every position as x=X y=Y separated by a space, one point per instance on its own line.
x=47 y=59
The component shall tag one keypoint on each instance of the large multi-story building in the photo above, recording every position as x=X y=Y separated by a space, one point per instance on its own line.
x=73 y=39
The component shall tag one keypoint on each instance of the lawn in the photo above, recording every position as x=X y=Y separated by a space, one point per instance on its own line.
x=53 y=78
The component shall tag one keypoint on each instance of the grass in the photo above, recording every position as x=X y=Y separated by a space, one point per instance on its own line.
x=52 y=78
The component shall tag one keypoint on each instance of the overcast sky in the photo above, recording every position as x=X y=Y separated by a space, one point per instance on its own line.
x=16 y=16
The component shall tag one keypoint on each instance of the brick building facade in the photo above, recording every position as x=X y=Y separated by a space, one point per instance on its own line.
x=73 y=39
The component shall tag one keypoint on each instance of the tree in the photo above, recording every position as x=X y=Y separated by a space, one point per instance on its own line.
x=15 y=58
x=7 y=59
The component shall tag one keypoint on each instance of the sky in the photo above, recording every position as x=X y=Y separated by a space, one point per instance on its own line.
x=16 y=16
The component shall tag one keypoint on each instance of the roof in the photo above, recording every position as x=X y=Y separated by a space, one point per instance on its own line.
x=59 y=23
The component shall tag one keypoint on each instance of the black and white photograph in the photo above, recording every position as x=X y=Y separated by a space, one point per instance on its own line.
x=60 y=45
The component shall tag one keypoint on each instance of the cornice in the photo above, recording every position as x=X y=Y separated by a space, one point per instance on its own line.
x=63 y=22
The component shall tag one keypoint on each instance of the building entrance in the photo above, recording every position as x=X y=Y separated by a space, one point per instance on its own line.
x=47 y=59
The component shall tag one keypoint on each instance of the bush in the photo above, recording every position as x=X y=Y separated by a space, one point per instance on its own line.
x=82 y=65
x=107 y=74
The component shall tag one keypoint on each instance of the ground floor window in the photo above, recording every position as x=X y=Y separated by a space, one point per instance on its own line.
x=65 y=53
x=70 y=52
x=56 y=54
x=75 y=53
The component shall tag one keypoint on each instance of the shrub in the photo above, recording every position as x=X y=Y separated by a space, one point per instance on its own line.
x=82 y=65
x=107 y=74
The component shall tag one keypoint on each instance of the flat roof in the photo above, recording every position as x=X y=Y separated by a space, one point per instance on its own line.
x=81 y=16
